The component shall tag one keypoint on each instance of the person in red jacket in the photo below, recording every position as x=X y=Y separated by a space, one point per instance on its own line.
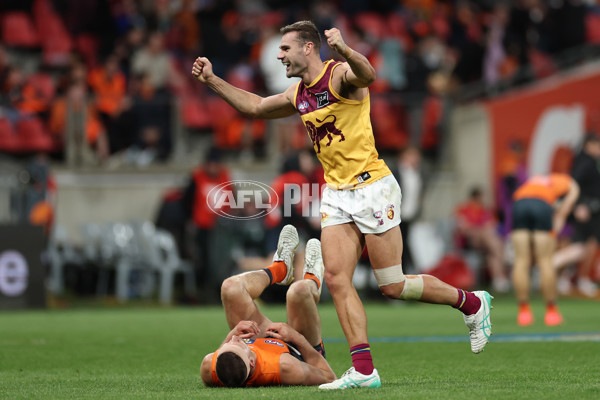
x=258 y=352
x=204 y=178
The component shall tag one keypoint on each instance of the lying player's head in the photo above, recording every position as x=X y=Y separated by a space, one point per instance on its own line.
x=234 y=363
x=306 y=32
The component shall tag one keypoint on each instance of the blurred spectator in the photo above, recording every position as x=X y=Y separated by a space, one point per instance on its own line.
x=109 y=86
x=153 y=61
x=495 y=54
x=172 y=216
x=147 y=149
x=409 y=174
x=513 y=173
x=298 y=189
x=35 y=200
x=184 y=34
x=466 y=39
x=210 y=174
x=150 y=108
x=476 y=229
x=74 y=122
x=586 y=172
x=10 y=93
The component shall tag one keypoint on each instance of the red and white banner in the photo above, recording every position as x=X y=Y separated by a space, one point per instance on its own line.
x=548 y=121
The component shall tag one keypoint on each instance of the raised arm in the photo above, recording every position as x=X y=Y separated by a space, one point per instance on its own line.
x=314 y=371
x=361 y=73
x=249 y=104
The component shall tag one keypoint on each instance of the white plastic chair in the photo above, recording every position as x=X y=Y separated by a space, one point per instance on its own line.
x=170 y=264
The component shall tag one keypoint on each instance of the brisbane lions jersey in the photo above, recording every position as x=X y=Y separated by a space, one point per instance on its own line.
x=341 y=132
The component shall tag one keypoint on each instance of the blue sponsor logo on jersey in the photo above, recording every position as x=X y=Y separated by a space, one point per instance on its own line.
x=275 y=342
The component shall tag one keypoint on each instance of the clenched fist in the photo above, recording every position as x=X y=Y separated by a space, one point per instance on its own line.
x=202 y=69
x=336 y=42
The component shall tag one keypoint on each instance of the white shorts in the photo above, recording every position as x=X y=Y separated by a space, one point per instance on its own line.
x=374 y=208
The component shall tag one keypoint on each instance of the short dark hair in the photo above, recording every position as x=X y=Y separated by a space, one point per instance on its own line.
x=591 y=138
x=231 y=369
x=307 y=32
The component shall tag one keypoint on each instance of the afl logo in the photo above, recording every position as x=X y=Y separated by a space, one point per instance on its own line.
x=303 y=106
x=242 y=200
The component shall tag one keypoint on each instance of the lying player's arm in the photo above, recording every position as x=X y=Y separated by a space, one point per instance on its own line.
x=244 y=329
x=249 y=104
x=361 y=73
x=296 y=372
x=205 y=372
x=313 y=371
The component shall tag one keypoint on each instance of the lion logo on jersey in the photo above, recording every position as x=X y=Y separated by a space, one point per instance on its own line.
x=325 y=130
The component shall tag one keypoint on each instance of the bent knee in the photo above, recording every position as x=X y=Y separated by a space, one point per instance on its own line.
x=392 y=291
x=336 y=282
x=299 y=290
x=231 y=287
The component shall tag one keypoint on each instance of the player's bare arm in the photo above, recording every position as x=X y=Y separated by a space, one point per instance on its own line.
x=359 y=72
x=248 y=104
x=313 y=371
x=295 y=372
x=244 y=330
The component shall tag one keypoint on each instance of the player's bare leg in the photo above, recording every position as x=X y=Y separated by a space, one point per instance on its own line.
x=304 y=294
x=544 y=246
x=521 y=240
x=385 y=252
x=342 y=246
x=239 y=292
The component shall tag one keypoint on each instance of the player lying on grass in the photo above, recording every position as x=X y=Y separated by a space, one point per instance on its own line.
x=258 y=352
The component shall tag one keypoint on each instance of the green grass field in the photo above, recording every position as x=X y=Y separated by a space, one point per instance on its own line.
x=421 y=352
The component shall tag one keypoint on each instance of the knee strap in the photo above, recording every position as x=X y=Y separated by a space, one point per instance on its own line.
x=389 y=275
x=413 y=288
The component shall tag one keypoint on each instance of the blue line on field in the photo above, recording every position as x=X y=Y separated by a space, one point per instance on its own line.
x=512 y=337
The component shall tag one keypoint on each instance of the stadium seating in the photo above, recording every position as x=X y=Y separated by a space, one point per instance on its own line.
x=138 y=253
x=9 y=142
x=18 y=30
x=55 y=39
x=44 y=84
x=169 y=264
x=32 y=136
x=60 y=252
x=195 y=113
x=389 y=124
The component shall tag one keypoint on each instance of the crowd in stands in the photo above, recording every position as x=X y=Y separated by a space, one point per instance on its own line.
x=108 y=71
